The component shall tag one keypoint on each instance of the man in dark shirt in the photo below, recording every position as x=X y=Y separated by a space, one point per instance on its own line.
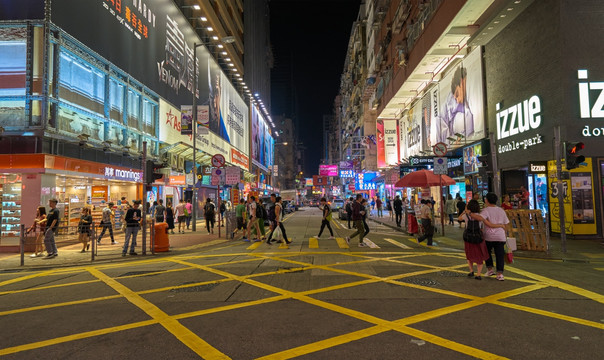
x=133 y=219
x=348 y=209
x=52 y=222
x=160 y=211
x=398 y=210
x=357 y=216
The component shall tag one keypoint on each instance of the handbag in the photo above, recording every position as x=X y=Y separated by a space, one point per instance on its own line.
x=472 y=234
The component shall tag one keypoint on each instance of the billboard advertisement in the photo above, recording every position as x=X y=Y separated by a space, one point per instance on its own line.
x=364 y=181
x=153 y=42
x=457 y=105
x=347 y=165
x=413 y=130
x=262 y=140
x=387 y=133
x=470 y=158
x=328 y=170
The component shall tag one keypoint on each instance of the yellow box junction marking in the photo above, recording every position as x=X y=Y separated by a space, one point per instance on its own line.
x=313 y=243
x=254 y=246
x=342 y=243
x=396 y=243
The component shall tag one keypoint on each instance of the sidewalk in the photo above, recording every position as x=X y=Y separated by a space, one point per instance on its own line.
x=70 y=255
x=577 y=250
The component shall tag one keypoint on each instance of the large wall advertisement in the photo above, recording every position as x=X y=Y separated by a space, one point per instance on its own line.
x=457 y=105
x=262 y=141
x=153 y=42
x=387 y=133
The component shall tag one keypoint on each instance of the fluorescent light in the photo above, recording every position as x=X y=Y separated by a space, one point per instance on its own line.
x=203 y=18
x=215 y=38
x=231 y=64
x=196 y=7
x=220 y=46
x=209 y=28
x=224 y=53
x=235 y=70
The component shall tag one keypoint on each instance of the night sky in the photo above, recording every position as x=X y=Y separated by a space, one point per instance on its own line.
x=309 y=40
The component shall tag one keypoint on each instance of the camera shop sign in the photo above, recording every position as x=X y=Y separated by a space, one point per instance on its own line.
x=517 y=119
x=589 y=109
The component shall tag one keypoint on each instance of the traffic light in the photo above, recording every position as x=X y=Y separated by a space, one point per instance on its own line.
x=152 y=172
x=571 y=150
x=485 y=166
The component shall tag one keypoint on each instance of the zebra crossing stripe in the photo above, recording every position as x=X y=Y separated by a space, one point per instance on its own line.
x=396 y=243
x=254 y=246
x=342 y=243
x=313 y=243
x=370 y=243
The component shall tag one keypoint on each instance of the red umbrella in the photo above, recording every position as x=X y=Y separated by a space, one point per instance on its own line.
x=423 y=178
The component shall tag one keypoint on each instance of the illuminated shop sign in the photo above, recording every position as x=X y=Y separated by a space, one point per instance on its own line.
x=587 y=109
x=346 y=173
x=537 y=167
x=429 y=162
x=522 y=117
x=119 y=174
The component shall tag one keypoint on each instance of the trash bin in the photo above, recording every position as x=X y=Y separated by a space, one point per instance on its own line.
x=162 y=239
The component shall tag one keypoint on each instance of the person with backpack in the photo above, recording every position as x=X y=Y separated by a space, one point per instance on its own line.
x=397 y=205
x=461 y=207
x=365 y=226
x=253 y=219
x=278 y=223
x=326 y=218
x=348 y=209
x=209 y=213
x=261 y=215
x=107 y=219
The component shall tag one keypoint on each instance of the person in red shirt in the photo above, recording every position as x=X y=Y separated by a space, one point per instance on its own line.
x=506 y=204
x=524 y=198
x=378 y=205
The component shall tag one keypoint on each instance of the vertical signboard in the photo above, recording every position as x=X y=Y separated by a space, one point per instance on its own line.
x=381 y=151
x=391 y=142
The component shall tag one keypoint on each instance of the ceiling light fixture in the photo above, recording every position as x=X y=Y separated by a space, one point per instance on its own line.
x=203 y=18
x=215 y=38
x=209 y=28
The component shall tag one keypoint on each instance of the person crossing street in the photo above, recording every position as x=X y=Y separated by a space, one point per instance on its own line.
x=357 y=216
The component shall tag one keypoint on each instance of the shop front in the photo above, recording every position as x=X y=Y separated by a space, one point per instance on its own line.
x=29 y=181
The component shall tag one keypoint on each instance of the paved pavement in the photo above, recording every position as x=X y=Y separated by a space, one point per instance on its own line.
x=314 y=299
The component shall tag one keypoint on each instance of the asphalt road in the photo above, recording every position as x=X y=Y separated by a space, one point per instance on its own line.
x=313 y=299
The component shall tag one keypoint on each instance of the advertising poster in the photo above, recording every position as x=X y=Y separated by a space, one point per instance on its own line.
x=583 y=209
x=391 y=142
x=262 y=140
x=402 y=139
x=328 y=170
x=470 y=161
x=347 y=165
x=309 y=181
x=153 y=42
x=381 y=151
x=457 y=104
x=319 y=180
x=414 y=130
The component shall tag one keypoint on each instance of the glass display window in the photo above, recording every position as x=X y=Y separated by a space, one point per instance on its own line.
x=10 y=215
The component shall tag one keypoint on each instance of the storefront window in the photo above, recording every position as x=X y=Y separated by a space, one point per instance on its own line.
x=80 y=83
x=13 y=47
x=10 y=191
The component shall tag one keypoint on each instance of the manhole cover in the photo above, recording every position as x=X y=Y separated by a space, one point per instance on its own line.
x=132 y=273
x=422 y=281
x=450 y=274
x=200 y=288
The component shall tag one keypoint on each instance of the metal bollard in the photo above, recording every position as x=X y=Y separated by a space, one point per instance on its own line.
x=22 y=244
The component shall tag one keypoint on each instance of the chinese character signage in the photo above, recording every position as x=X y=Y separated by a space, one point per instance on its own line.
x=346 y=173
x=364 y=181
x=328 y=170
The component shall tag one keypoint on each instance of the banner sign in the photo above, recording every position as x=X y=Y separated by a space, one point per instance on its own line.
x=364 y=181
x=346 y=173
x=262 y=140
x=233 y=175
x=347 y=165
x=319 y=180
x=328 y=170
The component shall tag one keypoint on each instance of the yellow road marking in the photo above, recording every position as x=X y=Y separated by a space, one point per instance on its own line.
x=68 y=338
x=283 y=245
x=26 y=277
x=47 y=287
x=313 y=243
x=551 y=314
x=600 y=269
x=396 y=243
x=342 y=243
x=186 y=336
x=254 y=246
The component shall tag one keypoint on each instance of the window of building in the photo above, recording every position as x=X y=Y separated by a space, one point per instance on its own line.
x=116 y=100
x=134 y=109
x=81 y=84
x=149 y=116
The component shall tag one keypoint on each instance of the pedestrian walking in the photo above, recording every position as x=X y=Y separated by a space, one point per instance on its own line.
x=151 y=209
x=240 y=215
x=209 y=214
x=170 y=217
x=160 y=211
x=52 y=221
x=107 y=221
x=278 y=221
x=189 y=212
x=389 y=208
x=181 y=216
x=222 y=211
x=451 y=208
x=461 y=207
x=326 y=220
x=357 y=216
x=379 y=205
x=38 y=228
x=133 y=222
x=261 y=216
x=494 y=234
x=348 y=209
x=474 y=244
x=253 y=219
x=398 y=210
x=84 y=229
x=426 y=220
x=365 y=226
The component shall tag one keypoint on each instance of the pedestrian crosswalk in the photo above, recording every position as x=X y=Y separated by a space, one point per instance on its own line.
x=340 y=242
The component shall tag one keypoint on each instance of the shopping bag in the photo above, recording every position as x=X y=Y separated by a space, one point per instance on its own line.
x=277 y=234
x=509 y=255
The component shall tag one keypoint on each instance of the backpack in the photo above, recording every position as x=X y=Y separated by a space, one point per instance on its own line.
x=208 y=209
x=261 y=212
x=472 y=234
x=348 y=207
x=222 y=207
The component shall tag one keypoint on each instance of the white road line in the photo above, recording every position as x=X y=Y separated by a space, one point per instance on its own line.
x=394 y=242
